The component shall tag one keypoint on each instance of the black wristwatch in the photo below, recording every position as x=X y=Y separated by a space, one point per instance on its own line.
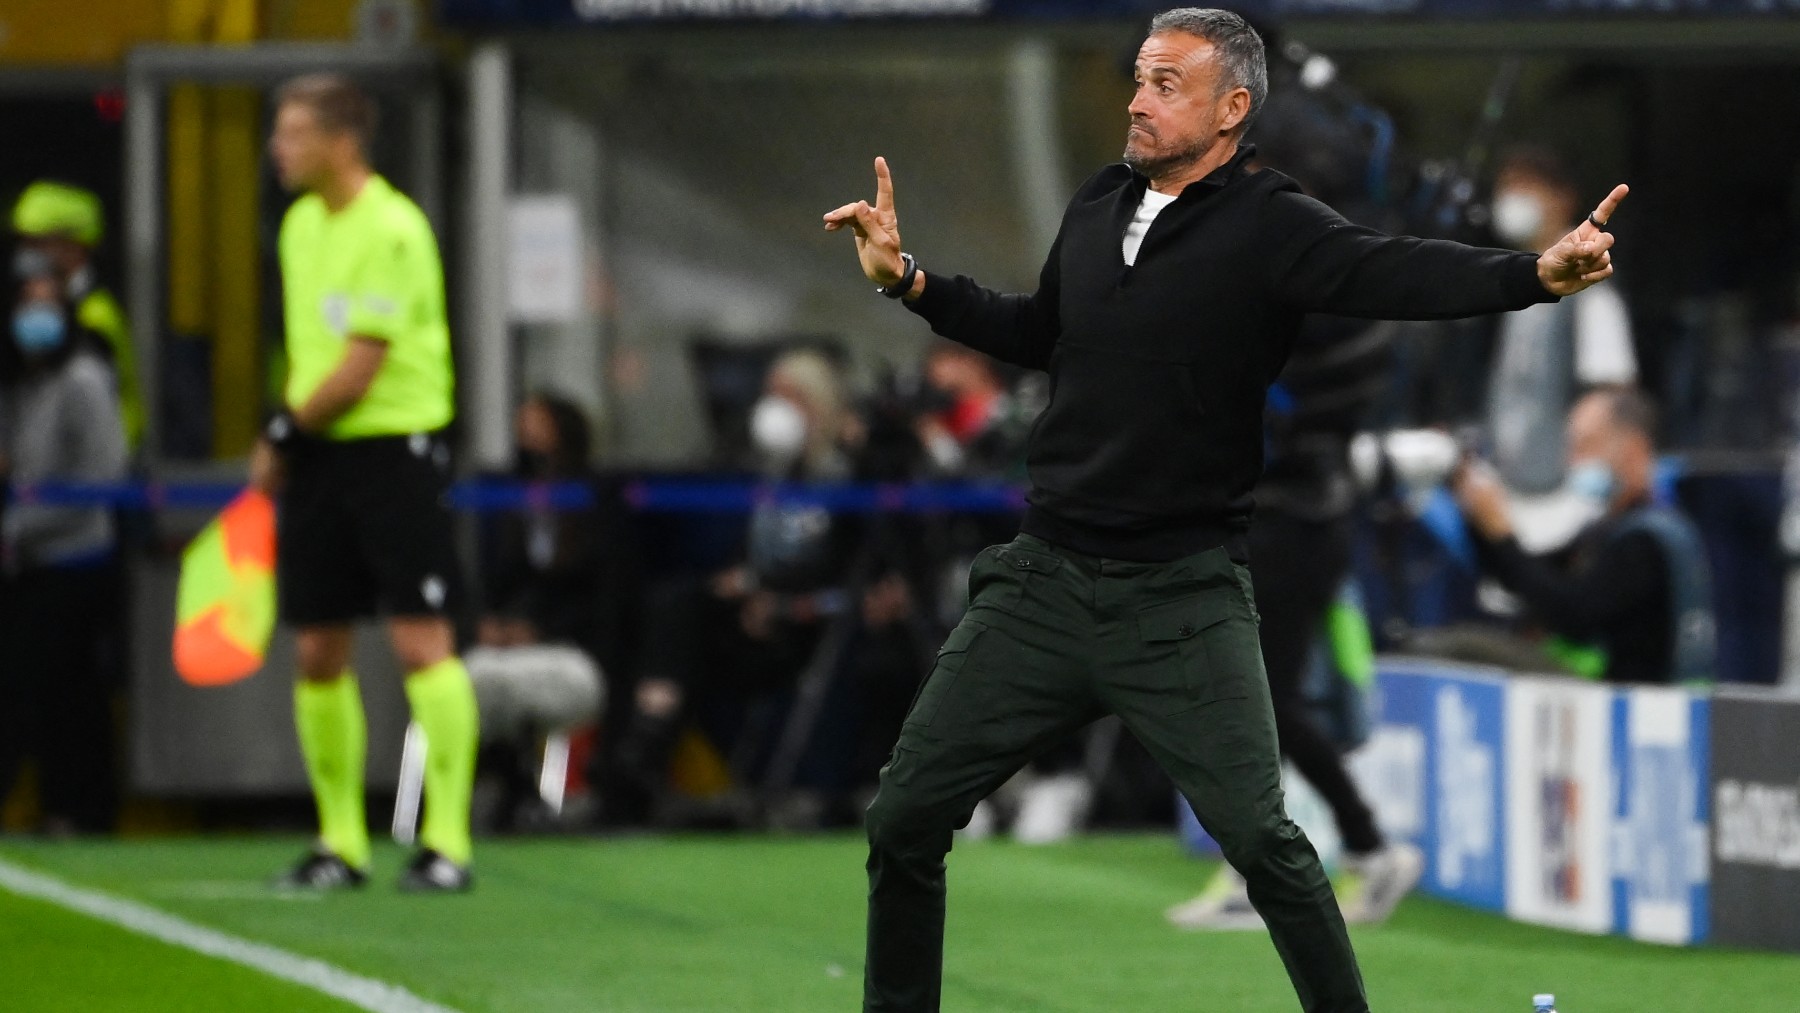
x=282 y=431
x=909 y=273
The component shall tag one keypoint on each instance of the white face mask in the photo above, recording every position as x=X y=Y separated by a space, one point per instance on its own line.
x=1518 y=218
x=778 y=428
x=1595 y=481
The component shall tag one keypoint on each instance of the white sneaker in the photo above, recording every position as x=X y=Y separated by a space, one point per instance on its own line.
x=1224 y=904
x=1373 y=885
x=1052 y=809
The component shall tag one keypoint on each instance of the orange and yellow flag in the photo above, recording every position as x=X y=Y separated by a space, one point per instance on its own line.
x=225 y=604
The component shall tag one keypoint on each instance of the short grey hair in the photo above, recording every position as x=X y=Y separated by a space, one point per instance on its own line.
x=1242 y=62
x=1632 y=410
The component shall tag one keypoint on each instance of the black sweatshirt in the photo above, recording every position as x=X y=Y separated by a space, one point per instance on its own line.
x=1152 y=440
x=1614 y=592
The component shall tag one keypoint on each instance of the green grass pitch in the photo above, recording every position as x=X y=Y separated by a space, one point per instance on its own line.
x=775 y=924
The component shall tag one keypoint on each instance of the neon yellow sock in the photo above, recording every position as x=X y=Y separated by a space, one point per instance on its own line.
x=443 y=703
x=334 y=739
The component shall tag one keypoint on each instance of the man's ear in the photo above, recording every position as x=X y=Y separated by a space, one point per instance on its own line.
x=1237 y=110
x=350 y=149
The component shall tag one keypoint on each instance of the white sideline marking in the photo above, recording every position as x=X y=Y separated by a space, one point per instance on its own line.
x=363 y=993
x=229 y=889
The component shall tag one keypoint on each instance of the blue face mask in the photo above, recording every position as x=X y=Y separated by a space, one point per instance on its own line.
x=1594 y=479
x=39 y=328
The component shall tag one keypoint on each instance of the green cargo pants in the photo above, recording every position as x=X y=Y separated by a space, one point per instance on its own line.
x=1053 y=640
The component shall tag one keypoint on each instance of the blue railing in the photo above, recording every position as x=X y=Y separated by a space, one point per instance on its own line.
x=647 y=495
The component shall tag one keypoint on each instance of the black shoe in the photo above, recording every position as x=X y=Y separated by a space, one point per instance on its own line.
x=431 y=872
x=321 y=870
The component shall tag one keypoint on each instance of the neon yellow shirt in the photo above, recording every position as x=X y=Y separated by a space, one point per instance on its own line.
x=371 y=270
x=99 y=312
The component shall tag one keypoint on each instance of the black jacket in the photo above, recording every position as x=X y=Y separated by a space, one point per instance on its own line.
x=573 y=573
x=1152 y=440
x=1613 y=590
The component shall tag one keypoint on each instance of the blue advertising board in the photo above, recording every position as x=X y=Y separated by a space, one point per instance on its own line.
x=1460 y=721
x=524 y=13
x=1434 y=771
x=1556 y=801
x=1577 y=804
x=1661 y=746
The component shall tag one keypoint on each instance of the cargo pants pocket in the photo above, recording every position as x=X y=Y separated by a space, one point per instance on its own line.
x=1205 y=650
x=952 y=661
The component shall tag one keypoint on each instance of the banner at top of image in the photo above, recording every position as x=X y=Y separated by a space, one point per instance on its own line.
x=525 y=13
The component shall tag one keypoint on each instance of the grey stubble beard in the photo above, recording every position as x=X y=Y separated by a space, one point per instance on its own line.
x=1157 y=166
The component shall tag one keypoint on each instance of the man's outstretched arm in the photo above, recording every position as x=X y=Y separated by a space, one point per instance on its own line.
x=1017 y=329
x=1625 y=575
x=1322 y=263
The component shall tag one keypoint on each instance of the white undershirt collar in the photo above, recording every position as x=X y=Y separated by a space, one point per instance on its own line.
x=1147 y=210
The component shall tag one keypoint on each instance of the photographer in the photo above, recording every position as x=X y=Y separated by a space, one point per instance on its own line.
x=1634 y=583
x=972 y=428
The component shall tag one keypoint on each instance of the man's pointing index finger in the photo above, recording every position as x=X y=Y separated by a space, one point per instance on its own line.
x=1604 y=212
x=884 y=186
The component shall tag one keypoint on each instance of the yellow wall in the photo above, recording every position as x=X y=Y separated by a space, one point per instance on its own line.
x=97 y=33
x=85 y=32
x=311 y=19
x=214 y=150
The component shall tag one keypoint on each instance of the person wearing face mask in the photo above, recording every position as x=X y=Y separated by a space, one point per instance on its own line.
x=59 y=422
x=1634 y=584
x=713 y=644
x=57 y=229
x=1548 y=354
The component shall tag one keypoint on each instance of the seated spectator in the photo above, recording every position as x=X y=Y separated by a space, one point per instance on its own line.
x=716 y=643
x=59 y=422
x=1634 y=584
x=557 y=589
x=554 y=574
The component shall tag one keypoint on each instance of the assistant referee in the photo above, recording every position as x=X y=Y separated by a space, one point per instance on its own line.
x=361 y=470
x=1167 y=306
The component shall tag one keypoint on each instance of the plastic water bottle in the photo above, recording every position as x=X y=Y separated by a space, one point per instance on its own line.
x=1543 y=1002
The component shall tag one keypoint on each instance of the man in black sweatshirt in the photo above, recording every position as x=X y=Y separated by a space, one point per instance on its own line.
x=1167 y=305
x=1634 y=583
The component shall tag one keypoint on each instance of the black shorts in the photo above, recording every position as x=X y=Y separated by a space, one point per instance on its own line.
x=364 y=528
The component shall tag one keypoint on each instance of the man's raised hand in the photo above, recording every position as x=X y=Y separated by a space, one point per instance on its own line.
x=876 y=229
x=1583 y=257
